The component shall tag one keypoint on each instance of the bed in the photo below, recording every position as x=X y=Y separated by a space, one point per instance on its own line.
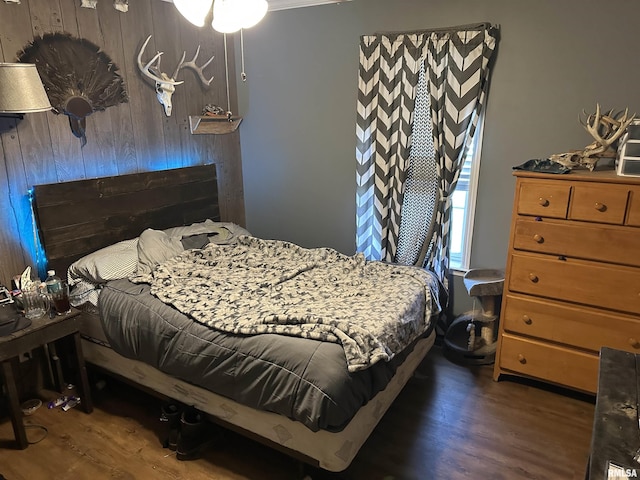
x=300 y=386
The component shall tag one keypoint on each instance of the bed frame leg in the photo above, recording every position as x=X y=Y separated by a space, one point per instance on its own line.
x=304 y=472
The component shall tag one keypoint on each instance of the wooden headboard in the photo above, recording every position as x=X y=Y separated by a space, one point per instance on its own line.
x=79 y=217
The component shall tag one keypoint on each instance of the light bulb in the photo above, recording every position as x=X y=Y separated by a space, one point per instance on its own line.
x=231 y=15
x=226 y=18
x=254 y=11
x=194 y=10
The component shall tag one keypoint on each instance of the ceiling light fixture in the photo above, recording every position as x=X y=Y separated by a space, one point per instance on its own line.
x=229 y=16
x=226 y=16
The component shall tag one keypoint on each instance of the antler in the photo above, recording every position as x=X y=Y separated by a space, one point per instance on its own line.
x=165 y=85
x=146 y=69
x=193 y=66
x=605 y=129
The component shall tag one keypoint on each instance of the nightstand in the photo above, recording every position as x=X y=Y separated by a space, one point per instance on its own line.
x=42 y=331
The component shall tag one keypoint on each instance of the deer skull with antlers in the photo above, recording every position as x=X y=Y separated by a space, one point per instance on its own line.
x=165 y=84
x=606 y=130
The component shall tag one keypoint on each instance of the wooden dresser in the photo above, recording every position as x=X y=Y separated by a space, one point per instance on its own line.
x=572 y=282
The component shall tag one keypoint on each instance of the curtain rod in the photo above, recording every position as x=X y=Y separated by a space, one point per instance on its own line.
x=458 y=28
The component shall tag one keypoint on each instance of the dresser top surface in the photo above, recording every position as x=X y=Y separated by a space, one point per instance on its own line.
x=605 y=175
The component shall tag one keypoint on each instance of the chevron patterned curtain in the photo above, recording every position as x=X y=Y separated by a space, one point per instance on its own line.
x=458 y=68
x=455 y=63
x=389 y=69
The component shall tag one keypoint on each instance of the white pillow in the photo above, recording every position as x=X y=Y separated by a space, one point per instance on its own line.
x=155 y=247
x=119 y=260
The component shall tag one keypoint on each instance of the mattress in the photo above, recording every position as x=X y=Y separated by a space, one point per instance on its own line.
x=303 y=379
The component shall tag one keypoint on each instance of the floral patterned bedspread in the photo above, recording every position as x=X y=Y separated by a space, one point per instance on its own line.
x=260 y=286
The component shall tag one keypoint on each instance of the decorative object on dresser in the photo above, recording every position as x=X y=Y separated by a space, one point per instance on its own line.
x=572 y=281
x=606 y=129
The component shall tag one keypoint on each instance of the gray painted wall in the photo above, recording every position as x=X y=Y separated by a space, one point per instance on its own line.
x=555 y=58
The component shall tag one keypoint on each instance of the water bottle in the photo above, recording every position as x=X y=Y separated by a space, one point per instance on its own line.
x=53 y=282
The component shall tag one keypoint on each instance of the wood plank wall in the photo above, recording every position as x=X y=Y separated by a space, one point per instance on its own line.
x=131 y=137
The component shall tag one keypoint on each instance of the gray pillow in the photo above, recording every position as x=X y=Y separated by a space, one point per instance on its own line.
x=154 y=248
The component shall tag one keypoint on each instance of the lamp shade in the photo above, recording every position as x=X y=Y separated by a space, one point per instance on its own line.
x=21 y=90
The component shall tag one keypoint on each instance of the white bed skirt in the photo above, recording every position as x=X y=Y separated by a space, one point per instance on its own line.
x=332 y=451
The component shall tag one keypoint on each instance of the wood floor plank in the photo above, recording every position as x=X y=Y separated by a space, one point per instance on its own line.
x=450 y=422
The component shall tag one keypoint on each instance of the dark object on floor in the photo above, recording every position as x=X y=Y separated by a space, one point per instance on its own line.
x=170 y=418
x=196 y=434
x=542 y=166
x=11 y=320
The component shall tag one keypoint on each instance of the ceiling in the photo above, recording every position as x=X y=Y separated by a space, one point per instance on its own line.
x=287 y=4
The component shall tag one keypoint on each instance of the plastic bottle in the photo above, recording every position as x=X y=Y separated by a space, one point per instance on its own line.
x=53 y=282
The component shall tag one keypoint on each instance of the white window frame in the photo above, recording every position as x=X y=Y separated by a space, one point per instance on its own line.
x=470 y=210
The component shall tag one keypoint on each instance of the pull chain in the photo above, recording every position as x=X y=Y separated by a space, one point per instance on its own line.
x=226 y=72
x=243 y=74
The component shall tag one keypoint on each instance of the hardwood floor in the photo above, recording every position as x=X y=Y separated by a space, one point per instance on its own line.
x=450 y=422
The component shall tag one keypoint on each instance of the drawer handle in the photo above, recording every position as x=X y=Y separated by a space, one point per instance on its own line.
x=601 y=207
x=533 y=277
x=543 y=202
x=538 y=238
x=522 y=359
x=634 y=343
x=527 y=319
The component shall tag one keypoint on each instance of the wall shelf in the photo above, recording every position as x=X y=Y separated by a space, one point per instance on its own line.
x=213 y=124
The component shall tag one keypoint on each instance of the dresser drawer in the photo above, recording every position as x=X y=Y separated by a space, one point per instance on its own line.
x=544 y=199
x=581 y=327
x=548 y=362
x=603 y=203
x=607 y=243
x=580 y=281
x=633 y=214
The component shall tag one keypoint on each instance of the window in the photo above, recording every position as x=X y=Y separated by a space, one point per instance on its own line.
x=463 y=205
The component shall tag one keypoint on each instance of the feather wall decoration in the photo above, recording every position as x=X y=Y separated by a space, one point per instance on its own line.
x=78 y=76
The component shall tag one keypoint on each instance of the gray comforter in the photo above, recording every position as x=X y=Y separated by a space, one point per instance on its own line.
x=373 y=309
x=299 y=374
